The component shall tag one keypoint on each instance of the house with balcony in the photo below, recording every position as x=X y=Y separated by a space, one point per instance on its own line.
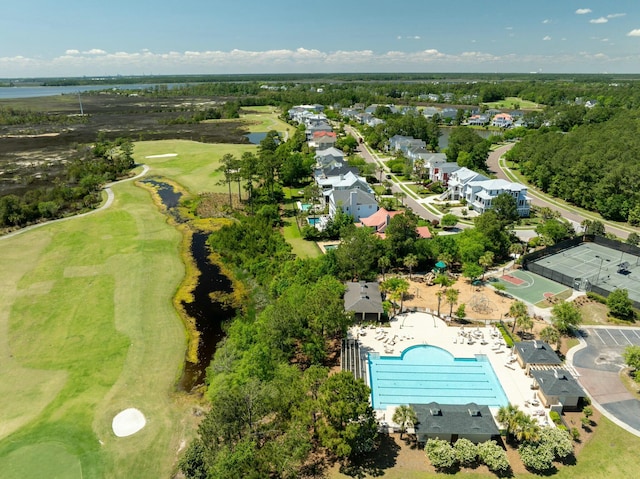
x=480 y=194
x=441 y=172
x=478 y=120
x=502 y=120
x=458 y=179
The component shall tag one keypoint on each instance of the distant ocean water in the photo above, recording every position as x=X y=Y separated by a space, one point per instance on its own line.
x=36 y=91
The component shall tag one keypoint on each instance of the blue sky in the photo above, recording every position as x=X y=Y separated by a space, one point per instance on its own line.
x=136 y=37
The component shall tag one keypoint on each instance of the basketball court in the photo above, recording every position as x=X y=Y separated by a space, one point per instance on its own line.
x=529 y=287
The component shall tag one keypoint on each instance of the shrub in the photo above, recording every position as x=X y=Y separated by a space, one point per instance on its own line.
x=441 y=454
x=538 y=457
x=555 y=417
x=466 y=451
x=493 y=456
x=596 y=297
x=575 y=433
x=558 y=440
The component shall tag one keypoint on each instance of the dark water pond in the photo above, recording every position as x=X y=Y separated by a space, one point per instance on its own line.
x=208 y=314
x=256 y=137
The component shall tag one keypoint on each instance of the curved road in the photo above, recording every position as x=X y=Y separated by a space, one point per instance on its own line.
x=540 y=199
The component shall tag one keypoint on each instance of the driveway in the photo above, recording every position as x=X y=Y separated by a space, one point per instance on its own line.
x=598 y=363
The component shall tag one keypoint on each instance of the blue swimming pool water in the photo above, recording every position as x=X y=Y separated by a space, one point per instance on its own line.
x=313 y=221
x=305 y=206
x=426 y=373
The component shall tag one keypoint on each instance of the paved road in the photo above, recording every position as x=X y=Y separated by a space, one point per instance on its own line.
x=598 y=365
x=370 y=157
x=541 y=200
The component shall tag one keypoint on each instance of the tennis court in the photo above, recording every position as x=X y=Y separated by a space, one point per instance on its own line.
x=529 y=287
x=588 y=266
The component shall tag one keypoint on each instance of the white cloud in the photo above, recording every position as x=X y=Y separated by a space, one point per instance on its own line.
x=95 y=51
x=410 y=37
x=583 y=11
x=616 y=15
x=304 y=60
x=546 y=20
x=598 y=20
x=634 y=33
x=547 y=38
x=508 y=28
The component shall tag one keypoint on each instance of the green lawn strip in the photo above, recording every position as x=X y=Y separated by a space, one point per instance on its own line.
x=42 y=460
x=508 y=103
x=301 y=247
x=84 y=309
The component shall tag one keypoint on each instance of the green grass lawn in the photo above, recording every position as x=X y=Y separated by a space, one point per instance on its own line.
x=511 y=101
x=84 y=334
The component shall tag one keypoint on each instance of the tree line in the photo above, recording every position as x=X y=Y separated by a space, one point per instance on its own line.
x=105 y=161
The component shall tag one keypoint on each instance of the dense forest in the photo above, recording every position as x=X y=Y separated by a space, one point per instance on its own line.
x=595 y=165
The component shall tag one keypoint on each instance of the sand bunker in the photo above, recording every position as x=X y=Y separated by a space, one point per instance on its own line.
x=166 y=155
x=128 y=422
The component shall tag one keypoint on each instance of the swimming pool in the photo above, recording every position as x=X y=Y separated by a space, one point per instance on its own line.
x=313 y=221
x=426 y=373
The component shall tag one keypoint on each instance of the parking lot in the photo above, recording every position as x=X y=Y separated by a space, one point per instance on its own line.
x=599 y=366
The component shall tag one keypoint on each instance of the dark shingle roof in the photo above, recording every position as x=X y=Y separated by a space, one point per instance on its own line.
x=536 y=352
x=557 y=382
x=363 y=297
x=461 y=419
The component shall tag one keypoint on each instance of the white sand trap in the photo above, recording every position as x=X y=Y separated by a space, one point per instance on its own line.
x=166 y=155
x=128 y=422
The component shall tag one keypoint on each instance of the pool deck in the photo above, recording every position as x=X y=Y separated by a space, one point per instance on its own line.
x=417 y=328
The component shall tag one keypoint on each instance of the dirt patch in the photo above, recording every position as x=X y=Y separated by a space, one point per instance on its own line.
x=481 y=302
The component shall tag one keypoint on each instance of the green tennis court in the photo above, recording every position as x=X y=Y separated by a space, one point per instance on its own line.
x=529 y=287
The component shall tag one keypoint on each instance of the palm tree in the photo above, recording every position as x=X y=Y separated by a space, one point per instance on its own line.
x=410 y=261
x=508 y=416
x=439 y=295
x=517 y=310
x=384 y=263
x=451 y=296
x=524 y=322
x=485 y=261
x=551 y=335
x=528 y=429
x=404 y=415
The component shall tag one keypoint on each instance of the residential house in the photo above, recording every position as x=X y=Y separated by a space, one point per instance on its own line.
x=364 y=299
x=334 y=169
x=430 y=111
x=458 y=179
x=454 y=421
x=502 y=120
x=323 y=139
x=479 y=194
x=535 y=354
x=403 y=143
x=557 y=387
x=313 y=128
x=478 y=120
x=328 y=155
x=355 y=202
x=379 y=220
x=442 y=172
x=449 y=113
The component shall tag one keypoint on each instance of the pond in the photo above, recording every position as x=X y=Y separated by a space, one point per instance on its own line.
x=256 y=137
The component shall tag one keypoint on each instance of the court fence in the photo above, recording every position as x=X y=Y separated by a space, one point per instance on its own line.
x=529 y=262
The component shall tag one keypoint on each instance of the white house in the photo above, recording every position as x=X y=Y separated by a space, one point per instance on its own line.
x=480 y=194
x=442 y=172
x=502 y=120
x=458 y=179
x=356 y=202
x=348 y=181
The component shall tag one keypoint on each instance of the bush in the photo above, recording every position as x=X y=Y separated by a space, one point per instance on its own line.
x=575 y=433
x=466 y=451
x=555 y=417
x=494 y=457
x=596 y=297
x=538 y=457
x=441 y=454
